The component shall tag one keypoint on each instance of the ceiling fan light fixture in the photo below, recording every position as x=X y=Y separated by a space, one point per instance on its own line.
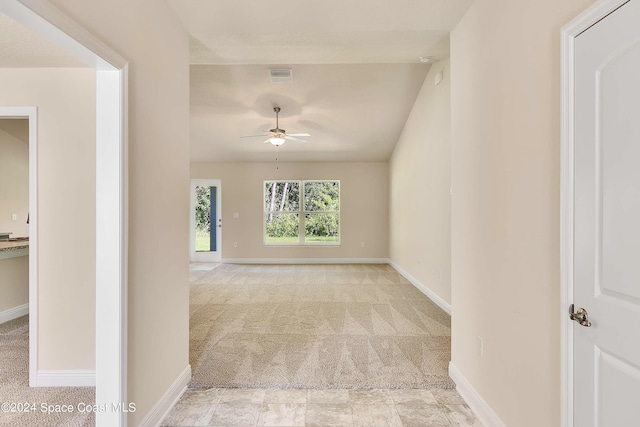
x=277 y=140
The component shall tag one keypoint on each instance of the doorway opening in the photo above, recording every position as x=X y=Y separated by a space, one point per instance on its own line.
x=111 y=213
x=19 y=126
x=205 y=229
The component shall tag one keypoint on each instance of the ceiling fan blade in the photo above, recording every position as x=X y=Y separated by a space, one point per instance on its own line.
x=253 y=136
x=298 y=134
x=266 y=140
x=293 y=138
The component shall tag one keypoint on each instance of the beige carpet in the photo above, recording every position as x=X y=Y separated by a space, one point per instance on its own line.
x=315 y=326
x=14 y=385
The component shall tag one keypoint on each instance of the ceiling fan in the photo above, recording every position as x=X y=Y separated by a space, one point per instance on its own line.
x=278 y=136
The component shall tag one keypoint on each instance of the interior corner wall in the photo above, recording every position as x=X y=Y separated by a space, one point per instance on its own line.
x=65 y=99
x=363 y=207
x=14 y=184
x=419 y=192
x=505 y=73
x=14 y=198
x=149 y=35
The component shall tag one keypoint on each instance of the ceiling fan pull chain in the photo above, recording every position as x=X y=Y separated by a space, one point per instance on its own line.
x=277 y=166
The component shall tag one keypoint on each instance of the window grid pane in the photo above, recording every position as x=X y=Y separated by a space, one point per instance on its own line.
x=321 y=196
x=301 y=216
x=282 y=227
x=322 y=227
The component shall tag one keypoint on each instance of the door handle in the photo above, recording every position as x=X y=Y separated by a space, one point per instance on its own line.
x=581 y=316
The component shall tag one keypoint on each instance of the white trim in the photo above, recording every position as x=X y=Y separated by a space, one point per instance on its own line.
x=78 y=378
x=31 y=114
x=111 y=199
x=569 y=33
x=14 y=313
x=204 y=256
x=305 y=261
x=423 y=288
x=478 y=405
x=301 y=212
x=111 y=245
x=14 y=253
x=168 y=400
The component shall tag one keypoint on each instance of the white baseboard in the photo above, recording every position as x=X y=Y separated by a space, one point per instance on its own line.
x=14 y=313
x=168 y=400
x=305 y=261
x=423 y=288
x=478 y=405
x=79 y=378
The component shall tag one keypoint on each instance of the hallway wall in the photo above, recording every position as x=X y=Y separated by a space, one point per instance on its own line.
x=419 y=182
x=148 y=35
x=505 y=73
x=66 y=208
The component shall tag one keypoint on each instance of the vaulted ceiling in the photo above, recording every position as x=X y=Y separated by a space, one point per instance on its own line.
x=356 y=73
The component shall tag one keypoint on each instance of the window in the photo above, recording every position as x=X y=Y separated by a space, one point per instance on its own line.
x=302 y=212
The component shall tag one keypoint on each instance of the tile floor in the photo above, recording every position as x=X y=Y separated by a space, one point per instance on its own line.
x=320 y=408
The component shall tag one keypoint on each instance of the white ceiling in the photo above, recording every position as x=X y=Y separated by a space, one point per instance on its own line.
x=354 y=112
x=21 y=47
x=356 y=73
x=317 y=32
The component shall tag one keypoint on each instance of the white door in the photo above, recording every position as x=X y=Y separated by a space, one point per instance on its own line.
x=607 y=221
x=205 y=221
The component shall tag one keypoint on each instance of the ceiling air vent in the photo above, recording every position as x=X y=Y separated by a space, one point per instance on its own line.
x=280 y=75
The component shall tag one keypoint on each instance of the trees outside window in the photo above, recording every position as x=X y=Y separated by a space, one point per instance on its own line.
x=302 y=212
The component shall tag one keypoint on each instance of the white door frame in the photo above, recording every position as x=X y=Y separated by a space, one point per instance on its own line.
x=204 y=256
x=569 y=32
x=31 y=114
x=111 y=199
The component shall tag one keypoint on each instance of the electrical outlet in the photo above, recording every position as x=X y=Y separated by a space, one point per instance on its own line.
x=235 y=244
x=480 y=346
x=14 y=217
x=362 y=244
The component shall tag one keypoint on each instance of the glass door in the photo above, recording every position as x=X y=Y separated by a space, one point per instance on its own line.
x=206 y=222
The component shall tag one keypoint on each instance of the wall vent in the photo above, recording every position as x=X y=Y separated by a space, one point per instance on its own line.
x=280 y=75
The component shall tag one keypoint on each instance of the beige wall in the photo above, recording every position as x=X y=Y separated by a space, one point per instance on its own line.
x=14 y=184
x=419 y=201
x=149 y=36
x=66 y=209
x=363 y=209
x=14 y=198
x=14 y=282
x=505 y=73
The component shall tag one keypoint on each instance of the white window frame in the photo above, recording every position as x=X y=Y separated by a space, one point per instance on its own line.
x=301 y=212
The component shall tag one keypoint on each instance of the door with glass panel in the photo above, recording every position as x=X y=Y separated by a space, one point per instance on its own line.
x=205 y=221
